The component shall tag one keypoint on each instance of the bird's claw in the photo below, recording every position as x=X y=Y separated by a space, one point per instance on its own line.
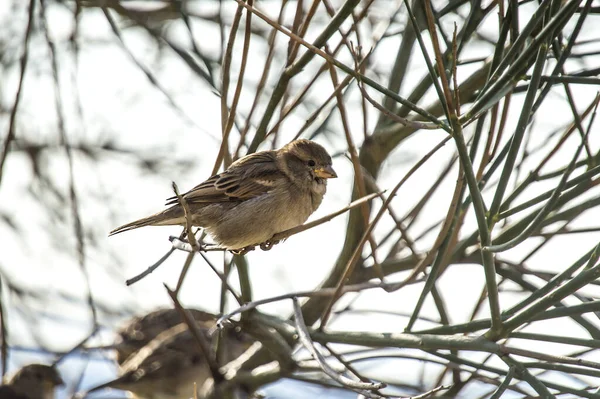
x=243 y=251
x=267 y=245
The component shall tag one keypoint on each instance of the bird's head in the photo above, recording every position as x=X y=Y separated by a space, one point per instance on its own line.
x=36 y=381
x=313 y=157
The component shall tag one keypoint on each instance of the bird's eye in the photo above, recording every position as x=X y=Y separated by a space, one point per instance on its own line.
x=311 y=163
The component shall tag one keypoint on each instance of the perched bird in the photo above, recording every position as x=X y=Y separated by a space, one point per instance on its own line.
x=159 y=357
x=34 y=381
x=258 y=196
x=140 y=330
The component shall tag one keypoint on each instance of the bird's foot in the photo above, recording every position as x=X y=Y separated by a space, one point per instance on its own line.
x=267 y=245
x=243 y=251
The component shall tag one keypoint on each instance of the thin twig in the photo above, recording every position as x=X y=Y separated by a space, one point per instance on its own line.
x=438 y=251
x=505 y=383
x=188 y=218
x=525 y=375
x=23 y=65
x=552 y=201
x=323 y=292
x=3 y=332
x=183 y=246
x=261 y=131
x=78 y=228
x=357 y=252
x=359 y=180
x=396 y=118
x=223 y=279
x=431 y=392
x=304 y=337
x=228 y=116
x=149 y=75
x=186 y=266
x=76 y=347
x=262 y=82
x=198 y=335
x=150 y=269
x=447 y=98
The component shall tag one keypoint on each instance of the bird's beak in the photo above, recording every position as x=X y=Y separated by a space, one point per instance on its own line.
x=326 y=173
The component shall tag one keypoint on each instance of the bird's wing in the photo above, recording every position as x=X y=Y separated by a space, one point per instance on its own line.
x=140 y=330
x=170 y=353
x=176 y=349
x=246 y=178
x=169 y=347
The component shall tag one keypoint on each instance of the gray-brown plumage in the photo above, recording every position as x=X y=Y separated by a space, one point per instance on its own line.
x=34 y=381
x=159 y=357
x=258 y=196
x=140 y=330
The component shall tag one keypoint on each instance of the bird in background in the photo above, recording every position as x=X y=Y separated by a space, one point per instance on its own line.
x=159 y=358
x=258 y=196
x=34 y=381
x=137 y=332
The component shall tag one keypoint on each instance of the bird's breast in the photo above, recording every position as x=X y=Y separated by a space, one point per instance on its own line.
x=317 y=193
x=294 y=211
x=256 y=220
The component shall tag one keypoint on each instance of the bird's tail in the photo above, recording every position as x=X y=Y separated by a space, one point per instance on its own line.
x=168 y=217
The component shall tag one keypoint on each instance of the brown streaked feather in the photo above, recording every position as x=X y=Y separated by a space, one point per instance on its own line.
x=204 y=192
x=163 y=362
x=139 y=331
x=246 y=178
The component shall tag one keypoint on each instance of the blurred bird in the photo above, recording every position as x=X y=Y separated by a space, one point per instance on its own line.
x=258 y=196
x=140 y=330
x=34 y=381
x=159 y=357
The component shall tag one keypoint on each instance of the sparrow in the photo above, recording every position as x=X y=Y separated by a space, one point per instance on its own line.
x=258 y=196
x=140 y=330
x=159 y=357
x=34 y=381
